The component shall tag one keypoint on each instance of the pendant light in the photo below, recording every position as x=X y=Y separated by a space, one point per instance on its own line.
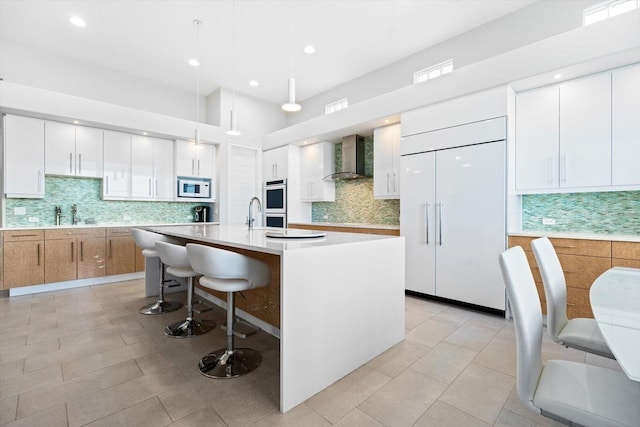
x=196 y=64
x=233 y=131
x=291 y=106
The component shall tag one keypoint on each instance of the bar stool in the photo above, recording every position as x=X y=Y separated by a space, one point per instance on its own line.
x=228 y=272
x=177 y=262
x=147 y=241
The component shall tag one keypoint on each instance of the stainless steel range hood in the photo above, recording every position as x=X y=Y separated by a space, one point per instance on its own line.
x=352 y=159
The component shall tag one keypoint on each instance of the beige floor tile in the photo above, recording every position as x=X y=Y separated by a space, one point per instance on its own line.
x=182 y=400
x=415 y=317
x=11 y=369
x=344 y=395
x=206 y=417
x=415 y=390
x=480 y=392
x=52 y=417
x=431 y=332
x=44 y=397
x=445 y=361
x=398 y=358
x=22 y=351
x=8 y=409
x=147 y=413
x=499 y=354
x=511 y=419
x=114 y=399
x=471 y=336
x=357 y=418
x=492 y=321
x=455 y=315
x=440 y=414
x=154 y=362
x=23 y=383
x=301 y=415
x=242 y=401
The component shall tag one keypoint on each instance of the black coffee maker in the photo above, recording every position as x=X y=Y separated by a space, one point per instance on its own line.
x=201 y=214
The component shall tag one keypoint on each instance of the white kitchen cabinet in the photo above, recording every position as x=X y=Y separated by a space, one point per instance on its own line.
x=73 y=150
x=117 y=165
x=164 y=178
x=316 y=162
x=23 y=157
x=452 y=215
x=142 y=179
x=276 y=164
x=195 y=160
x=585 y=132
x=625 y=137
x=386 y=162
x=537 y=139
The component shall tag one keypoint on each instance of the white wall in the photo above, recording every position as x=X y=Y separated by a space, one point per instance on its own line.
x=539 y=21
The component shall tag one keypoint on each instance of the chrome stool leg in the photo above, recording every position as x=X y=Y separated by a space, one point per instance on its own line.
x=229 y=362
x=161 y=306
x=190 y=327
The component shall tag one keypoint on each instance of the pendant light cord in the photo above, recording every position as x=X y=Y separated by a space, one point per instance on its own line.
x=197 y=23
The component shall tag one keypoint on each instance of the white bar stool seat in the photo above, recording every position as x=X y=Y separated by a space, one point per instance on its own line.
x=147 y=241
x=229 y=272
x=177 y=262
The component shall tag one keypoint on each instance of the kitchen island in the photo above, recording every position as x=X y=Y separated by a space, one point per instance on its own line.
x=340 y=299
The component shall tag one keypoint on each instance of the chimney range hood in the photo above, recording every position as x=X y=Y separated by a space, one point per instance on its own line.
x=352 y=159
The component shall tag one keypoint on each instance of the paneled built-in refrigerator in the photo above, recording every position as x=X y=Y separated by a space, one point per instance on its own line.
x=452 y=213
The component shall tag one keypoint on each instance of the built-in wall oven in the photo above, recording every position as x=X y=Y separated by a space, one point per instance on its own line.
x=275 y=203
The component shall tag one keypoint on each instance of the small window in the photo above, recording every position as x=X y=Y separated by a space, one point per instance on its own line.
x=433 y=71
x=606 y=10
x=341 y=104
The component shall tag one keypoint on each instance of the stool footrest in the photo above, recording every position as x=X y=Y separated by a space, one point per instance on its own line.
x=189 y=328
x=170 y=284
x=242 y=328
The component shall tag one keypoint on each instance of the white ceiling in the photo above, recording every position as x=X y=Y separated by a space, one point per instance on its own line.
x=154 y=39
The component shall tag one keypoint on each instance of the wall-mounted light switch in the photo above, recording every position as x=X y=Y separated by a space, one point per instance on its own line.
x=548 y=221
x=34 y=219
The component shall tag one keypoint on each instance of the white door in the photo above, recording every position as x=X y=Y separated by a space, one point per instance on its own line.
x=205 y=155
x=417 y=220
x=585 y=132
x=537 y=139
x=141 y=167
x=625 y=142
x=60 y=148
x=164 y=179
x=185 y=159
x=88 y=152
x=275 y=163
x=242 y=184
x=470 y=224
x=117 y=164
x=24 y=157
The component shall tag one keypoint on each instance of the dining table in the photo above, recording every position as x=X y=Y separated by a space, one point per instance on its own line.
x=615 y=301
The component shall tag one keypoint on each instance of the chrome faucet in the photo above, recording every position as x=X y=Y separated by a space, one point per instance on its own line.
x=75 y=219
x=250 y=218
x=58 y=214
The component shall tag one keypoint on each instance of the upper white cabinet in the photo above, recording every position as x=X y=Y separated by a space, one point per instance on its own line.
x=23 y=157
x=585 y=132
x=563 y=136
x=195 y=160
x=276 y=164
x=164 y=179
x=386 y=162
x=117 y=165
x=316 y=162
x=626 y=126
x=142 y=167
x=73 y=150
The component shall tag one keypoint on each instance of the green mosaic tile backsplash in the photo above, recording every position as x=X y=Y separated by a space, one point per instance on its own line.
x=616 y=212
x=354 y=198
x=86 y=194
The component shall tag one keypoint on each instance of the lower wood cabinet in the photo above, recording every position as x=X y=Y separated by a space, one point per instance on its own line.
x=23 y=258
x=92 y=257
x=121 y=250
x=72 y=254
x=625 y=254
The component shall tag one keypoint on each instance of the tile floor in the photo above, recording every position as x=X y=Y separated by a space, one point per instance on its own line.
x=86 y=357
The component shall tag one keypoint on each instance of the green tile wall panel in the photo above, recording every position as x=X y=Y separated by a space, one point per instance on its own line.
x=86 y=193
x=354 y=198
x=616 y=212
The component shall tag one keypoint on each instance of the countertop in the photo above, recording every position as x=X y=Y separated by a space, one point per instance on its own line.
x=349 y=225
x=239 y=237
x=581 y=235
x=98 y=225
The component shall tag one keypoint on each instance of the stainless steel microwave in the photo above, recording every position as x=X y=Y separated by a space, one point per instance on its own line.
x=197 y=188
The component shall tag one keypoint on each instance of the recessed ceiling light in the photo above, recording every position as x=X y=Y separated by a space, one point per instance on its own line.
x=77 y=21
x=253 y=83
x=309 y=49
x=145 y=133
x=76 y=122
x=557 y=76
x=194 y=62
x=386 y=120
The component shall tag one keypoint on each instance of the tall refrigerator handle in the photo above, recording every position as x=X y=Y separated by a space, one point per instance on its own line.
x=440 y=208
x=426 y=214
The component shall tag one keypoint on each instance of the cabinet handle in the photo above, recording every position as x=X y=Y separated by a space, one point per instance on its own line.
x=273 y=170
x=109 y=248
x=388 y=182
x=198 y=167
x=193 y=166
x=276 y=175
x=24 y=235
x=564 y=246
x=150 y=191
x=70 y=162
x=426 y=214
x=563 y=169
x=107 y=184
x=441 y=205
x=571 y=304
x=156 y=185
x=38 y=253
x=81 y=251
x=72 y=261
x=394 y=183
x=80 y=163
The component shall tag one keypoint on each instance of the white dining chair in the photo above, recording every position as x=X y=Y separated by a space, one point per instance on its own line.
x=579 y=333
x=569 y=392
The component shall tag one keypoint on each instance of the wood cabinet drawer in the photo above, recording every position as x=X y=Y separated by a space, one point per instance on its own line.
x=118 y=231
x=582 y=271
x=524 y=242
x=630 y=263
x=65 y=233
x=596 y=248
x=625 y=250
x=23 y=235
